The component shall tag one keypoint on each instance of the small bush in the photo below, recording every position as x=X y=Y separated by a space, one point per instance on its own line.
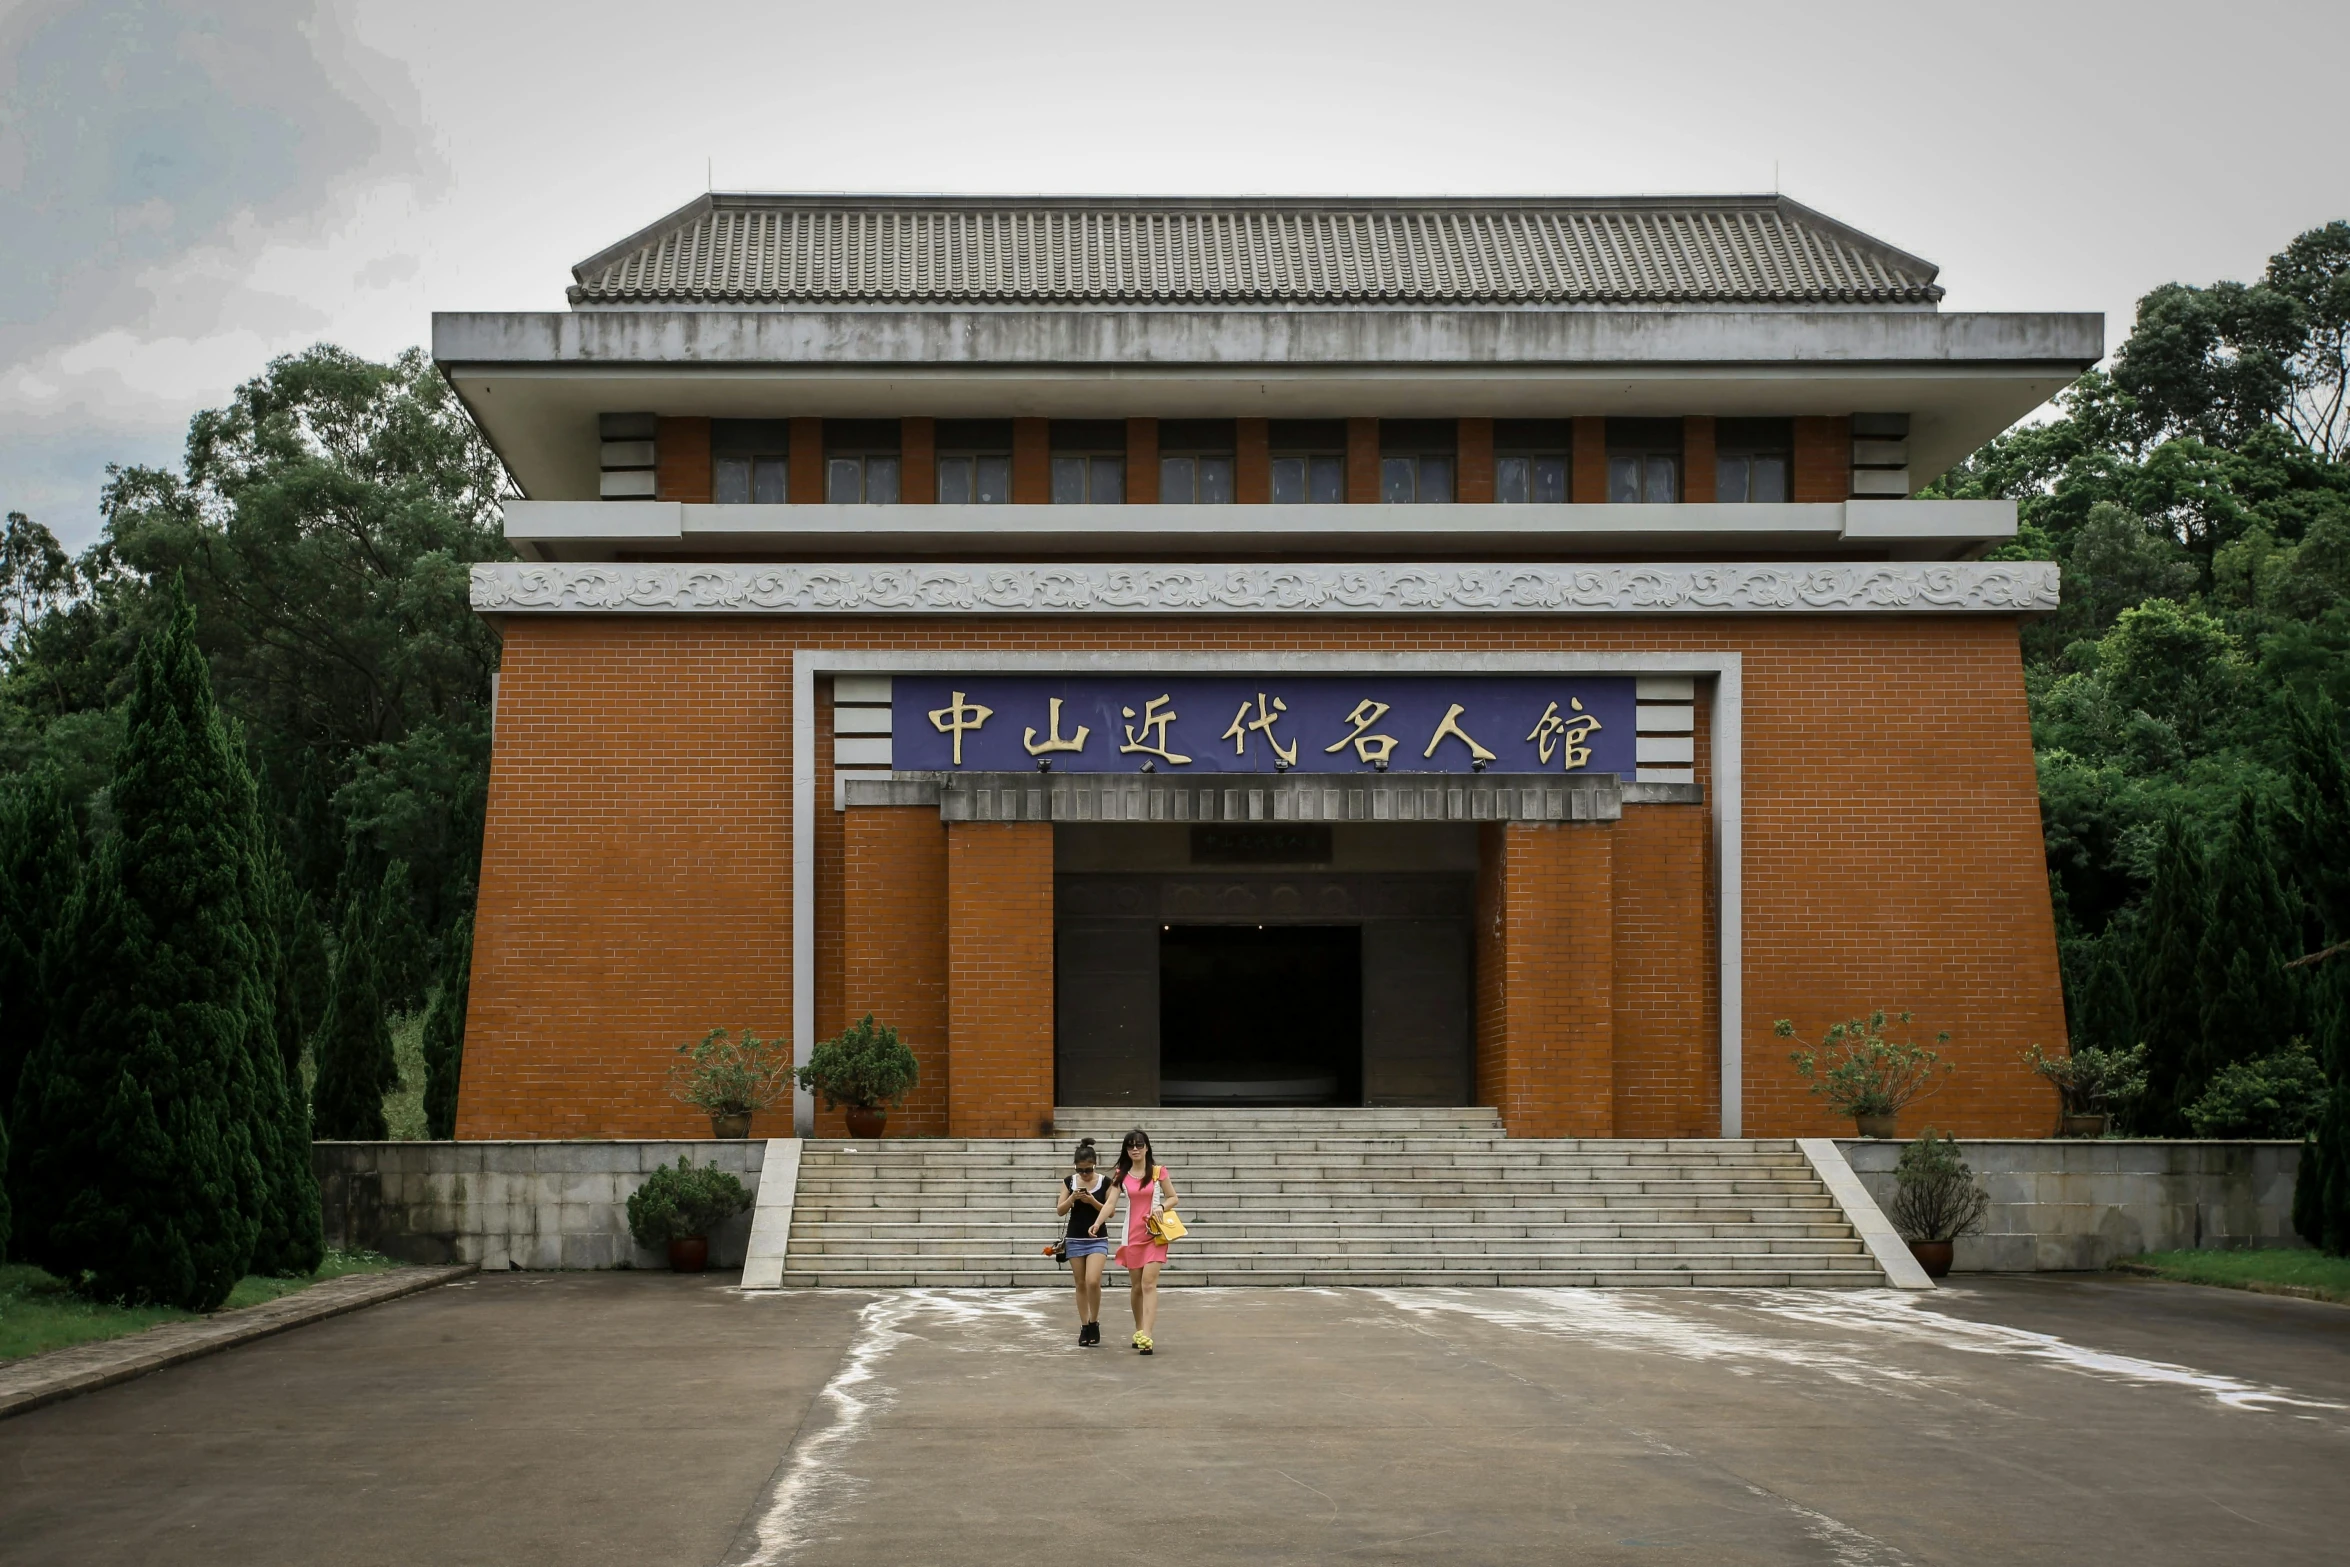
x=865 y=1067
x=2091 y=1081
x=2276 y=1095
x=1935 y=1197
x=726 y=1075
x=1861 y=1072
x=681 y=1201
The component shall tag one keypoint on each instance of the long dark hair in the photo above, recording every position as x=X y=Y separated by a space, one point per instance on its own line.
x=1126 y=1156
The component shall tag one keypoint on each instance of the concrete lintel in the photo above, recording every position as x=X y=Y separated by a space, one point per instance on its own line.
x=1868 y=1221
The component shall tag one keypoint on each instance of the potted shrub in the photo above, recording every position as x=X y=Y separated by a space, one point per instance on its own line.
x=729 y=1078
x=2089 y=1083
x=1865 y=1075
x=678 y=1207
x=1935 y=1201
x=867 y=1068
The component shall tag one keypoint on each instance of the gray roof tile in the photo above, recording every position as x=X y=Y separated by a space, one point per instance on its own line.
x=757 y=249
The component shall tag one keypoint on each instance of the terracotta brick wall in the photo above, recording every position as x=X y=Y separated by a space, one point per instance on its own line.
x=1667 y=1042
x=636 y=879
x=1823 y=459
x=1545 y=953
x=1000 y=977
x=1697 y=459
x=894 y=947
x=681 y=460
x=1588 y=472
x=1475 y=485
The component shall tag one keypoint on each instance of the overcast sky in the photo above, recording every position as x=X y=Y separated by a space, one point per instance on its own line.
x=188 y=187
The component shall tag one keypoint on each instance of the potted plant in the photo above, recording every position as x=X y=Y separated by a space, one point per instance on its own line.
x=1935 y=1201
x=1864 y=1075
x=867 y=1068
x=2089 y=1082
x=678 y=1207
x=729 y=1078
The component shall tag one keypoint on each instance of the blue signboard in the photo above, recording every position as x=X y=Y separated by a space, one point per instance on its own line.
x=1264 y=724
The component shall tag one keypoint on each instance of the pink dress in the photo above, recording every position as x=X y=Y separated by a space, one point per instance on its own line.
x=1140 y=1250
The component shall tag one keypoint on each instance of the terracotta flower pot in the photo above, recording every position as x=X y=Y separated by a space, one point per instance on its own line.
x=2081 y=1125
x=867 y=1120
x=1933 y=1256
x=731 y=1125
x=690 y=1255
x=1874 y=1125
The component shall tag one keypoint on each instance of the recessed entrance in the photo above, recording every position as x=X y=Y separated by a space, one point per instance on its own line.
x=1260 y=1015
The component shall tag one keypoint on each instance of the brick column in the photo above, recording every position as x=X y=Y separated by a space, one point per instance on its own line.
x=999 y=899
x=1362 y=462
x=1823 y=459
x=681 y=460
x=1032 y=462
x=1590 y=470
x=1667 y=1063
x=1474 y=485
x=807 y=462
x=918 y=461
x=894 y=941
x=1546 y=977
x=1142 y=462
x=1252 y=462
x=1697 y=458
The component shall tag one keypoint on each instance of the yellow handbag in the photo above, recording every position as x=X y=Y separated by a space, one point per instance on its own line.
x=1165 y=1227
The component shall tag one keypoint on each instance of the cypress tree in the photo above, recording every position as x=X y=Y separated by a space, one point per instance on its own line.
x=444 y=1032
x=354 y=1047
x=2321 y=821
x=40 y=855
x=137 y=1174
x=293 y=1236
x=2170 y=989
x=2249 y=1001
x=5 y=1215
x=403 y=956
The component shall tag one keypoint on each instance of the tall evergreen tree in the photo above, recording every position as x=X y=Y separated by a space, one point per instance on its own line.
x=293 y=1238
x=136 y=1162
x=354 y=1047
x=403 y=954
x=40 y=855
x=444 y=1032
x=6 y=1216
x=2250 y=1003
x=2170 y=989
x=2321 y=819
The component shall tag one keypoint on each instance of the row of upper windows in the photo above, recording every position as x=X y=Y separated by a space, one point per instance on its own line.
x=1753 y=462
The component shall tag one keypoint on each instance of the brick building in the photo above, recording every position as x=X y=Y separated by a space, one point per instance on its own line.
x=1257 y=652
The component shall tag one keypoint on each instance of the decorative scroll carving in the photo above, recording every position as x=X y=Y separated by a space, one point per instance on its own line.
x=2005 y=587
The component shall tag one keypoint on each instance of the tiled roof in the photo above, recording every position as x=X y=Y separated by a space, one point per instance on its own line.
x=911 y=250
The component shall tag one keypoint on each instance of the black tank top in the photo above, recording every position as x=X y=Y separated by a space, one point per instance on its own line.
x=1083 y=1214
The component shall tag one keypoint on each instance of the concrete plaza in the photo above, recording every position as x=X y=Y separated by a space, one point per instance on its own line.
x=635 y=1418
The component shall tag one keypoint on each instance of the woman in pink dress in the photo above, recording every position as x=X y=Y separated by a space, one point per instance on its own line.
x=1146 y=1189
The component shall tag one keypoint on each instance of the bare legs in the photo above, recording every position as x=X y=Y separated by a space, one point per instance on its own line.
x=1142 y=1292
x=1086 y=1273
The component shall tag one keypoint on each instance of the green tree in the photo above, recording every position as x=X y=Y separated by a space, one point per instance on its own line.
x=2250 y=1002
x=444 y=1032
x=135 y=1169
x=354 y=1047
x=40 y=856
x=2170 y=989
x=293 y=1238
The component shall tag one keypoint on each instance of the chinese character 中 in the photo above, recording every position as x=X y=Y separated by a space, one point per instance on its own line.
x=1263 y=724
x=1451 y=726
x=1154 y=724
x=1369 y=747
x=1552 y=728
x=958 y=718
x=1053 y=740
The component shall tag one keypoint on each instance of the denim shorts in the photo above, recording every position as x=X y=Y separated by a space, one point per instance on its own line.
x=1088 y=1245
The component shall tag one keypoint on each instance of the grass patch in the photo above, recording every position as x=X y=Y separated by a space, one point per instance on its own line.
x=38 y=1312
x=2324 y=1276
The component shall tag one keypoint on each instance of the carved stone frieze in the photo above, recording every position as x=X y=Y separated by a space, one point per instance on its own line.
x=2002 y=587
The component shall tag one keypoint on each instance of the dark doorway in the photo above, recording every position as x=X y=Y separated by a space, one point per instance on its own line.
x=1261 y=1015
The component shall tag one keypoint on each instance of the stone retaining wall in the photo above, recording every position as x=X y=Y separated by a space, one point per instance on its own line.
x=513 y=1204
x=2059 y=1205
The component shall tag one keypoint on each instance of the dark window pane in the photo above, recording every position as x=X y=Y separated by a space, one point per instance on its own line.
x=1550 y=479
x=995 y=481
x=1395 y=479
x=954 y=481
x=1289 y=481
x=1660 y=488
x=844 y=480
x=730 y=480
x=770 y=484
x=1435 y=479
x=1513 y=479
x=1730 y=480
x=1175 y=480
x=1107 y=486
x=1770 y=479
x=1068 y=481
x=1623 y=480
x=881 y=481
x=1328 y=482
x=1215 y=480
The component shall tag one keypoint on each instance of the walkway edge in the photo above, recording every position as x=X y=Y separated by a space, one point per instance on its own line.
x=84 y=1368
x=1868 y=1221
x=770 y=1243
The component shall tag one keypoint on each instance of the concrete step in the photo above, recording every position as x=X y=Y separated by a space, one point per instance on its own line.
x=1783 y=1273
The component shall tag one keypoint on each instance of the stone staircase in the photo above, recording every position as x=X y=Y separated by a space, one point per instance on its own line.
x=1337 y=1197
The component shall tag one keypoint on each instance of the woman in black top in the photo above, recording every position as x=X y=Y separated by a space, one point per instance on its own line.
x=1084 y=1199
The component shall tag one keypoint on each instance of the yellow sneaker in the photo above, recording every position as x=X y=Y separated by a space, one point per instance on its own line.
x=1142 y=1341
